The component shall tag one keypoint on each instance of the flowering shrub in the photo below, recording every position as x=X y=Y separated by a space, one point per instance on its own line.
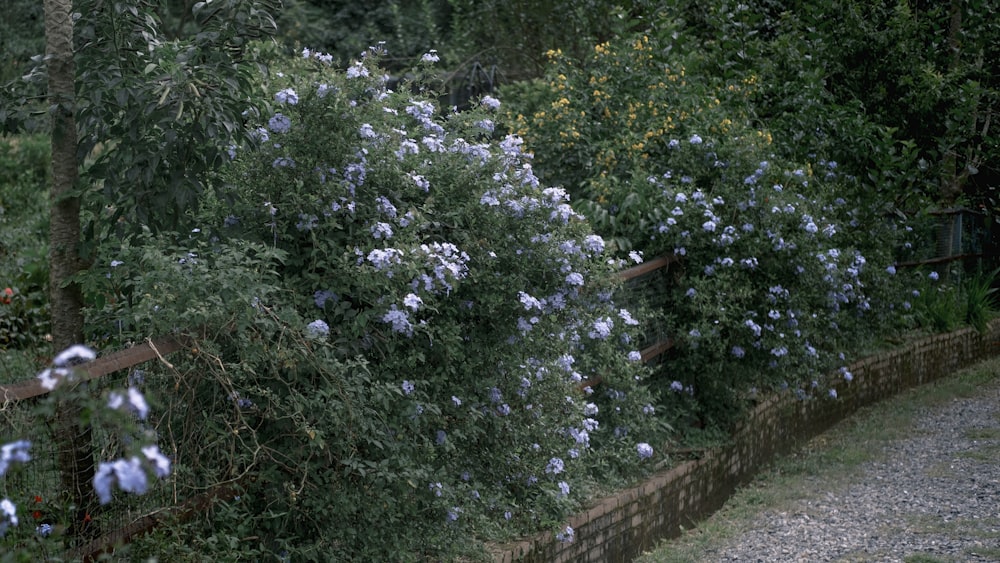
x=784 y=267
x=413 y=351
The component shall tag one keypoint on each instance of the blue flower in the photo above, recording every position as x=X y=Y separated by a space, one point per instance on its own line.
x=407 y=387
x=8 y=515
x=400 y=321
x=626 y=316
x=413 y=302
x=645 y=450
x=318 y=329
x=287 y=96
x=357 y=70
x=555 y=466
x=933 y=275
x=490 y=102
x=128 y=473
x=381 y=230
x=601 y=328
x=594 y=244
x=695 y=140
x=563 y=488
x=14 y=452
x=322 y=296
x=430 y=57
x=279 y=123
x=74 y=355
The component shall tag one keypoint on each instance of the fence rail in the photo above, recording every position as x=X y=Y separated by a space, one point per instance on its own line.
x=115 y=361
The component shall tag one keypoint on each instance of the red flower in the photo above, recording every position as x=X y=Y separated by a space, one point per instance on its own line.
x=5 y=296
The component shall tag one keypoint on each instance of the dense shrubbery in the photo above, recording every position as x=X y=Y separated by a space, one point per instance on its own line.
x=402 y=319
x=785 y=264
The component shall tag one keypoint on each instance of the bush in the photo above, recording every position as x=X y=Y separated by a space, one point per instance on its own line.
x=24 y=237
x=404 y=344
x=785 y=263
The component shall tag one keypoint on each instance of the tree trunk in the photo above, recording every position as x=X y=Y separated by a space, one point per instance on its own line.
x=76 y=463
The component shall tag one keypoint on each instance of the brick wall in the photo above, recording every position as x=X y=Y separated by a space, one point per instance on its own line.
x=621 y=527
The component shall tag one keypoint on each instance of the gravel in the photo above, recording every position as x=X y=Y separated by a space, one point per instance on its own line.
x=931 y=497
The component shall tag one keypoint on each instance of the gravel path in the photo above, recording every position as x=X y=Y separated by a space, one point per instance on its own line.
x=932 y=497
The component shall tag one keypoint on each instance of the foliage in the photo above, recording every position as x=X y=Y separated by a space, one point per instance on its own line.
x=880 y=74
x=23 y=240
x=944 y=302
x=785 y=263
x=397 y=318
x=346 y=29
x=22 y=37
x=155 y=115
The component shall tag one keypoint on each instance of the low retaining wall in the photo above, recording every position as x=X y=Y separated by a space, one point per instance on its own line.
x=623 y=526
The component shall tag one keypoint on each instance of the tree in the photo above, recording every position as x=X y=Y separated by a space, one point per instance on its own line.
x=76 y=461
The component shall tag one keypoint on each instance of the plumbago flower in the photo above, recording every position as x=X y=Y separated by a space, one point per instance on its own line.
x=779 y=278
x=130 y=474
x=480 y=297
